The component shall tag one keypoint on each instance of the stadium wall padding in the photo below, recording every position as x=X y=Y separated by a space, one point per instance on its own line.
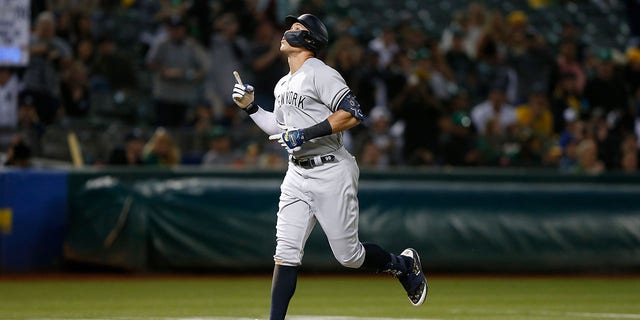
x=518 y=222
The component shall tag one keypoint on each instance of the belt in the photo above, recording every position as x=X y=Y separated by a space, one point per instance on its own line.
x=311 y=162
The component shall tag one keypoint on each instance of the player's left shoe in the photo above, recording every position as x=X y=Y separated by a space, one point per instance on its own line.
x=414 y=280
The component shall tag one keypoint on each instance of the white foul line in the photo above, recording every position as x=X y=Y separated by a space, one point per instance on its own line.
x=596 y=315
x=542 y=313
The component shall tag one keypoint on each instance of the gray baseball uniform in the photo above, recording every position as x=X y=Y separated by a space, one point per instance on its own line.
x=321 y=183
x=327 y=193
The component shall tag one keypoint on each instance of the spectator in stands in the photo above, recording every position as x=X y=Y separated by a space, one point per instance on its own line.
x=456 y=140
x=493 y=38
x=178 y=67
x=202 y=123
x=168 y=9
x=629 y=162
x=461 y=64
x=576 y=131
x=487 y=38
x=129 y=154
x=161 y=150
x=404 y=68
x=199 y=17
x=76 y=102
x=441 y=78
x=632 y=70
x=83 y=30
x=345 y=55
x=570 y=33
x=416 y=106
x=251 y=12
x=534 y=126
x=28 y=116
x=260 y=156
x=495 y=107
x=569 y=159
x=380 y=148
x=494 y=147
x=477 y=18
x=386 y=46
x=629 y=153
x=607 y=141
x=220 y=151
x=9 y=90
x=18 y=154
x=587 y=154
x=84 y=52
x=467 y=24
x=411 y=37
x=111 y=66
x=64 y=25
x=517 y=25
x=267 y=63
x=633 y=18
x=368 y=82
x=607 y=93
x=371 y=157
x=567 y=63
x=534 y=117
x=457 y=27
x=49 y=55
x=229 y=51
x=491 y=65
x=532 y=63
x=566 y=101
x=517 y=42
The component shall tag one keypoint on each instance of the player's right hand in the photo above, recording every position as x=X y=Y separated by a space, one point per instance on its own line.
x=242 y=95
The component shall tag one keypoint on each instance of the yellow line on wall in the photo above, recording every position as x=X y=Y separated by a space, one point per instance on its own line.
x=6 y=221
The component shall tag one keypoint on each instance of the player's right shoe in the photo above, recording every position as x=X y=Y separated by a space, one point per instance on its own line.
x=413 y=279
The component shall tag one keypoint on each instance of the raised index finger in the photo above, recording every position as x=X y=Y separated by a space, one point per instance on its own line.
x=237 y=75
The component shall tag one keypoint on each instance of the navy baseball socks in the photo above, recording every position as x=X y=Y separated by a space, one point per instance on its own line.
x=283 y=286
x=406 y=267
x=412 y=279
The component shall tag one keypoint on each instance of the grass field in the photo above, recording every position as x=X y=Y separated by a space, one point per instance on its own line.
x=319 y=297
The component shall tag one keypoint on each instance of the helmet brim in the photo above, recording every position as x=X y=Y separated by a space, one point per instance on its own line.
x=290 y=20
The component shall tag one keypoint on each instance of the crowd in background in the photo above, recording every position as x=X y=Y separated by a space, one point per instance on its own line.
x=149 y=83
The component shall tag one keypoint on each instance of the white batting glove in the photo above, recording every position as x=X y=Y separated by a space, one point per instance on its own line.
x=242 y=95
x=280 y=137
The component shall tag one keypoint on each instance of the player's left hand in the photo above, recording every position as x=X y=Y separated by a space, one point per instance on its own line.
x=291 y=140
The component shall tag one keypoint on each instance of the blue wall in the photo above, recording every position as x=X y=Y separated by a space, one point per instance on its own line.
x=38 y=202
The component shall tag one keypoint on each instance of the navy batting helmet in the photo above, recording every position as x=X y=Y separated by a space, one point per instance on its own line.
x=314 y=39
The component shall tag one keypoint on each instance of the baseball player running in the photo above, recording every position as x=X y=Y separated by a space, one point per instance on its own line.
x=313 y=106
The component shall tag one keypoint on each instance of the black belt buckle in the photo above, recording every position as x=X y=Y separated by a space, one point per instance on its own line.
x=306 y=163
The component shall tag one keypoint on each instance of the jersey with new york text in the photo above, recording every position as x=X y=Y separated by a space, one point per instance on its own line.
x=307 y=97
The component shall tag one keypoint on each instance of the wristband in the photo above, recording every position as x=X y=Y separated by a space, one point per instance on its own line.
x=318 y=130
x=251 y=108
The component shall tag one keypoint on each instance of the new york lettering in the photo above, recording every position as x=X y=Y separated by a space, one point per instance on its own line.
x=291 y=98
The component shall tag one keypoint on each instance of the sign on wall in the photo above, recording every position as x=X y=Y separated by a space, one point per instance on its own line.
x=14 y=32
